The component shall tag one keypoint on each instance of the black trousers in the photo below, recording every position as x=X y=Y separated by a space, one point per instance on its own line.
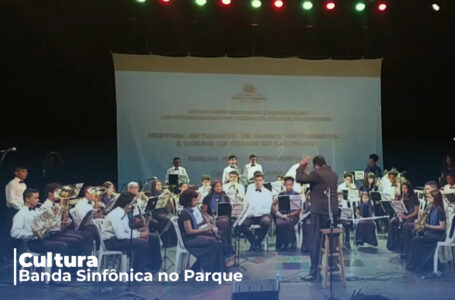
x=422 y=250
x=48 y=245
x=163 y=217
x=285 y=232
x=256 y=238
x=318 y=222
x=147 y=253
x=90 y=234
x=209 y=253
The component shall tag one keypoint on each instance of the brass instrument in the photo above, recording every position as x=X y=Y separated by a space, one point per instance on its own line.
x=64 y=194
x=421 y=220
x=98 y=191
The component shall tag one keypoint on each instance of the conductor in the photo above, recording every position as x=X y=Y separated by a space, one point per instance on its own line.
x=320 y=179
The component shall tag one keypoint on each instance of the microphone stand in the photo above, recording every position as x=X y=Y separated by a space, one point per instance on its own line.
x=332 y=225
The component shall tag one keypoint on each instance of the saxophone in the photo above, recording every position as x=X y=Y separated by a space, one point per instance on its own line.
x=421 y=221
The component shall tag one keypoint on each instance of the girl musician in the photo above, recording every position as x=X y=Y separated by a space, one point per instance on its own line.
x=400 y=227
x=223 y=223
x=370 y=184
x=198 y=237
x=285 y=232
x=366 y=229
x=433 y=230
x=116 y=233
x=163 y=213
x=108 y=196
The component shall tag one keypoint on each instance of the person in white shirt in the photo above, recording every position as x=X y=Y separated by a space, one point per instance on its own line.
x=22 y=226
x=141 y=204
x=176 y=169
x=15 y=189
x=449 y=188
x=84 y=207
x=390 y=187
x=117 y=233
x=252 y=167
x=206 y=186
x=231 y=167
x=258 y=205
x=347 y=184
x=234 y=190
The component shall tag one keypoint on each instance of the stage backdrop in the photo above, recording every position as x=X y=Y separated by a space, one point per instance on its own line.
x=204 y=109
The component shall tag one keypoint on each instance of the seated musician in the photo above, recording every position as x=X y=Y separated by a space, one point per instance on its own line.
x=433 y=227
x=199 y=238
x=163 y=212
x=234 y=190
x=61 y=229
x=285 y=232
x=449 y=188
x=366 y=229
x=116 y=233
x=108 y=196
x=206 y=185
x=347 y=184
x=407 y=234
x=223 y=223
x=344 y=205
x=231 y=167
x=258 y=204
x=403 y=225
x=22 y=227
x=370 y=183
x=252 y=185
x=390 y=186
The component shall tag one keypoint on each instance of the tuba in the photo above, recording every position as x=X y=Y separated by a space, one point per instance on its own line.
x=64 y=194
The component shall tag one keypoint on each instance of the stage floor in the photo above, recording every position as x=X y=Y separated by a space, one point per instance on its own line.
x=373 y=270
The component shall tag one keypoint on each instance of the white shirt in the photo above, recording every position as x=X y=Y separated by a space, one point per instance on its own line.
x=228 y=170
x=22 y=223
x=49 y=204
x=204 y=191
x=181 y=171
x=449 y=189
x=82 y=208
x=258 y=203
x=116 y=225
x=343 y=186
x=292 y=170
x=235 y=191
x=15 y=193
x=249 y=170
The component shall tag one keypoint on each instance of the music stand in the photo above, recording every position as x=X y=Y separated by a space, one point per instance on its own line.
x=284 y=204
x=224 y=209
x=173 y=179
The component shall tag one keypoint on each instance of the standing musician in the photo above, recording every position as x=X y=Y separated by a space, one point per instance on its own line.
x=403 y=225
x=177 y=169
x=198 y=237
x=252 y=167
x=231 y=167
x=22 y=227
x=320 y=179
x=285 y=232
x=257 y=207
x=223 y=223
x=373 y=167
x=116 y=233
x=432 y=230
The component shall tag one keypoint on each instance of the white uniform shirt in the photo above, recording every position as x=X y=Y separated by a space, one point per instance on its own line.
x=449 y=189
x=259 y=203
x=236 y=191
x=228 y=170
x=204 y=191
x=181 y=171
x=82 y=208
x=249 y=170
x=22 y=223
x=343 y=186
x=116 y=225
x=15 y=193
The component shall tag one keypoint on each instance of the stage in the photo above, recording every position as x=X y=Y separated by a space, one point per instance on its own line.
x=373 y=270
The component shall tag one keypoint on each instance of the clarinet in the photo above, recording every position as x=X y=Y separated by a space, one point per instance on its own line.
x=211 y=222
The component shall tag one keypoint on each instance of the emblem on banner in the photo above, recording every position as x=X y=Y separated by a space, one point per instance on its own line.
x=249 y=94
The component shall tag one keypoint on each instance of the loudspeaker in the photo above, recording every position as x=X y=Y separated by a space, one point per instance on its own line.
x=268 y=289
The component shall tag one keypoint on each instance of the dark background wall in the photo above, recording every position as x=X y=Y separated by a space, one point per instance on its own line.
x=58 y=87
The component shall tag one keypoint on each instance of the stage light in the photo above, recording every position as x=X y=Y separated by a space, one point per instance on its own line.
x=165 y=2
x=278 y=3
x=307 y=5
x=141 y=1
x=330 y=5
x=200 y=2
x=226 y=2
x=435 y=6
x=382 y=6
x=360 y=6
x=256 y=3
